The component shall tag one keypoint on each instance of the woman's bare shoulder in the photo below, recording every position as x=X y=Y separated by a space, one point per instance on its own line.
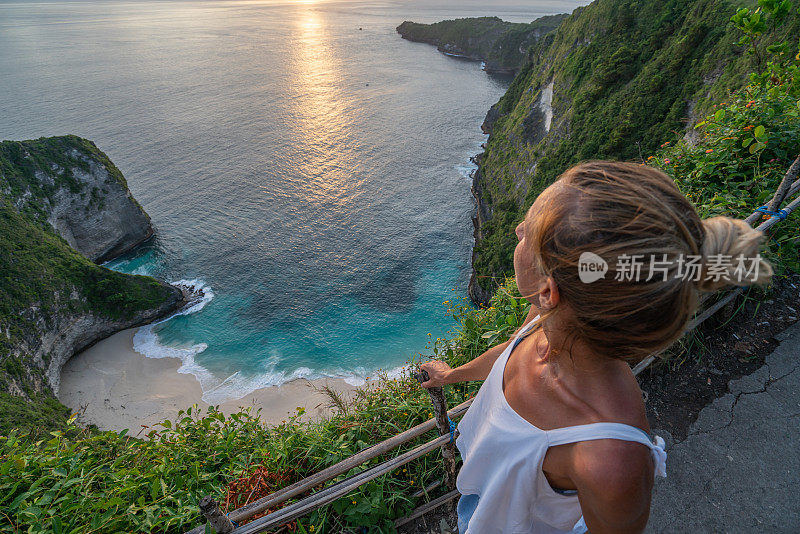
x=614 y=479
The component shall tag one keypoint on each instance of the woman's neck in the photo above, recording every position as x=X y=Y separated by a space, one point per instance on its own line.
x=564 y=355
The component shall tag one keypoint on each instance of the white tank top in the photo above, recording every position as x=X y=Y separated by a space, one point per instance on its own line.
x=503 y=454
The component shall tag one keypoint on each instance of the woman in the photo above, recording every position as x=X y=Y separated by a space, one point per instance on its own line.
x=557 y=439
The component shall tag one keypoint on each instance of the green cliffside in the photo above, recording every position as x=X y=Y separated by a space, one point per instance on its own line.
x=503 y=46
x=54 y=302
x=614 y=81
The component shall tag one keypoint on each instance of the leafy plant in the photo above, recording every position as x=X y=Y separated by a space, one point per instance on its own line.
x=744 y=147
x=81 y=480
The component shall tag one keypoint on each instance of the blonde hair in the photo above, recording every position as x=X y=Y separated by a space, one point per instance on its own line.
x=615 y=209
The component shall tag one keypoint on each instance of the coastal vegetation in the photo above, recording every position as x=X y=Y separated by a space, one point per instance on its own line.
x=503 y=46
x=620 y=78
x=45 y=285
x=676 y=59
x=84 y=480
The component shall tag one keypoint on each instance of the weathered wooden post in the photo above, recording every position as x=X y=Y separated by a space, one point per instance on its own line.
x=209 y=507
x=443 y=424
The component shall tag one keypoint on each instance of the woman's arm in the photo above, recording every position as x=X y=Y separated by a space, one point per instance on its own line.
x=615 y=481
x=440 y=373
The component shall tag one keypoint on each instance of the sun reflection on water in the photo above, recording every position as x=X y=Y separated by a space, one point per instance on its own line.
x=322 y=114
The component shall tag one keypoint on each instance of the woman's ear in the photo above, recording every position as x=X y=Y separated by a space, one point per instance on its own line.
x=548 y=294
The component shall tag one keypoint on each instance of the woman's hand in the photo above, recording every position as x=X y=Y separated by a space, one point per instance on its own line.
x=438 y=371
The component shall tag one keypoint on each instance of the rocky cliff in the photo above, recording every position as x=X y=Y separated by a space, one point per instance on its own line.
x=615 y=80
x=502 y=46
x=62 y=205
x=72 y=185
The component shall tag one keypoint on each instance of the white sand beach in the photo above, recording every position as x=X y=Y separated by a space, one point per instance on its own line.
x=114 y=387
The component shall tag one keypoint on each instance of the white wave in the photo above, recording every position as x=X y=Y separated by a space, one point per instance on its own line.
x=397 y=372
x=466 y=170
x=355 y=380
x=146 y=341
x=237 y=385
x=360 y=376
x=142 y=270
x=200 y=295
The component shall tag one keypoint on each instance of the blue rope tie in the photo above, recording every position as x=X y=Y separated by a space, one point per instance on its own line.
x=780 y=214
x=235 y=524
x=452 y=429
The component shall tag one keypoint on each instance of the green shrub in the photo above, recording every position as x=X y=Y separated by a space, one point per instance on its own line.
x=84 y=481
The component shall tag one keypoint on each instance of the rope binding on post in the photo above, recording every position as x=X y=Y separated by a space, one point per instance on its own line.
x=780 y=214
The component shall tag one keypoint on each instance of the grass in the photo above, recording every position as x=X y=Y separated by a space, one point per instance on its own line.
x=37 y=415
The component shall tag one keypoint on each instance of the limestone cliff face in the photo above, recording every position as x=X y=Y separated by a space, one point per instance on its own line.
x=81 y=194
x=54 y=339
x=106 y=229
x=63 y=206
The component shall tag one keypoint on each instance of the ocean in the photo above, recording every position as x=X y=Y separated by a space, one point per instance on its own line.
x=303 y=166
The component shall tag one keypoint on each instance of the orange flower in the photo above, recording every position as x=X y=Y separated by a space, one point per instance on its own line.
x=709 y=151
x=749 y=127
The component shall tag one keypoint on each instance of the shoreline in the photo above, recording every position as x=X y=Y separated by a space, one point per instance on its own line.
x=114 y=387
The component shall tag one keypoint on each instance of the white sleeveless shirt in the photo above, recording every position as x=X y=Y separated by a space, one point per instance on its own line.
x=503 y=454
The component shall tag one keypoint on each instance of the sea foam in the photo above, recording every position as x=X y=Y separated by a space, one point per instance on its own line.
x=237 y=385
x=146 y=341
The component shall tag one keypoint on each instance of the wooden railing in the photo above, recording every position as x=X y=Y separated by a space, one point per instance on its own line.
x=225 y=523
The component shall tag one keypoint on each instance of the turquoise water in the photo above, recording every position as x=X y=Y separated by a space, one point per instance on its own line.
x=303 y=165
